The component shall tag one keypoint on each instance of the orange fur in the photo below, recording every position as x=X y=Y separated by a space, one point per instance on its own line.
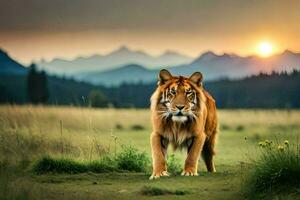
x=197 y=132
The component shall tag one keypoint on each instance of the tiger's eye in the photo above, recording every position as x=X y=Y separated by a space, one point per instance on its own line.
x=189 y=91
x=173 y=91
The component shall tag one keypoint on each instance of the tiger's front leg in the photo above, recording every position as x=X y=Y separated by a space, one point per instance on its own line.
x=194 y=151
x=159 y=149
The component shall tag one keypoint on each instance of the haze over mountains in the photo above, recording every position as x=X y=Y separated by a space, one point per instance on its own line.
x=233 y=66
x=211 y=65
x=120 y=57
x=124 y=65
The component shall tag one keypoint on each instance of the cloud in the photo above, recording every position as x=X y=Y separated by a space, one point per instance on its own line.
x=68 y=28
x=150 y=15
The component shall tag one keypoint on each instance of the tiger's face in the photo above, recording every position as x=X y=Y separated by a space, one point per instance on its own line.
x=179 y=99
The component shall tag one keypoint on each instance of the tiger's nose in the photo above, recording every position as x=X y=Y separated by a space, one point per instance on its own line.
x=180 y=107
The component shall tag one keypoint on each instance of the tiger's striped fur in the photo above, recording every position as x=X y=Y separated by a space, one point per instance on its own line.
x=183 y=115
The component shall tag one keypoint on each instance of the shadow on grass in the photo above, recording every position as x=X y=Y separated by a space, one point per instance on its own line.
x=155 y=191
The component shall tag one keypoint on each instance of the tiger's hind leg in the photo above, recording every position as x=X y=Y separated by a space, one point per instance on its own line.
x=208 y=152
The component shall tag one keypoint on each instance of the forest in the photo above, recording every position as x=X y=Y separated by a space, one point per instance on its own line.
x=276 y=90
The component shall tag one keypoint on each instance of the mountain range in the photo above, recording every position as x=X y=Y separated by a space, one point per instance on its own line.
x=10 y=66
x=212 y=66
x=120 y=57
x=233 y=66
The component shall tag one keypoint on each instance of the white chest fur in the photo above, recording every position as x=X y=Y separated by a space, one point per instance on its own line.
x=177 y=134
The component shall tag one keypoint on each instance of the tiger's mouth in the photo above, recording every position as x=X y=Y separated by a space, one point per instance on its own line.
x=179 y=117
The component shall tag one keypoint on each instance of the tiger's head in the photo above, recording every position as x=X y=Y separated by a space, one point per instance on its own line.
x=178 y=96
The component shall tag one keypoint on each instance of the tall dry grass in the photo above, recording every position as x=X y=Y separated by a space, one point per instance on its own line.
x=26 y=132
x=30 y=131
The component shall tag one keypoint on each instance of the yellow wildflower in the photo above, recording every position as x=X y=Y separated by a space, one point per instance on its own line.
x=280 y=148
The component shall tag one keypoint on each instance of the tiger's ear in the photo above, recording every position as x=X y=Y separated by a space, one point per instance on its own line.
x=196 y=78
x=164 y=76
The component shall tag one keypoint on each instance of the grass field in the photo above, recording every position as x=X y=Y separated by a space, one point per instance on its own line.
x=29 y=132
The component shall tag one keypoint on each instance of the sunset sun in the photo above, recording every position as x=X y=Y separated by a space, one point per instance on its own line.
x=265 y=49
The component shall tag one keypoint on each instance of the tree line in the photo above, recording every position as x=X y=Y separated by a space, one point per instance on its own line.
x=276 y=90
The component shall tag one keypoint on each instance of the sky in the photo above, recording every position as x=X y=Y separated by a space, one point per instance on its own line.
x=31 y=30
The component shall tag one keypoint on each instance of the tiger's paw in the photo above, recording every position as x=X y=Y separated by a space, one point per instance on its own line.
x=157 y=175
x=189 y=172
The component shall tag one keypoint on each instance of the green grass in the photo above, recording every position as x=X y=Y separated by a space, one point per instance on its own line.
x=85 y=136
x=174 y=166
x=128 y=159
x=62 y=165
x=128 y=186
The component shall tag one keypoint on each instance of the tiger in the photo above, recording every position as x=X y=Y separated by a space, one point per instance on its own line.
x=184 y=116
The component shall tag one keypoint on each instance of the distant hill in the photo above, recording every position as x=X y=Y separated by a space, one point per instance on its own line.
x=120 y=57
x=232 y=66
x=127 y=74
x=212 y=66
x=62 y=91
x=10 y=66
